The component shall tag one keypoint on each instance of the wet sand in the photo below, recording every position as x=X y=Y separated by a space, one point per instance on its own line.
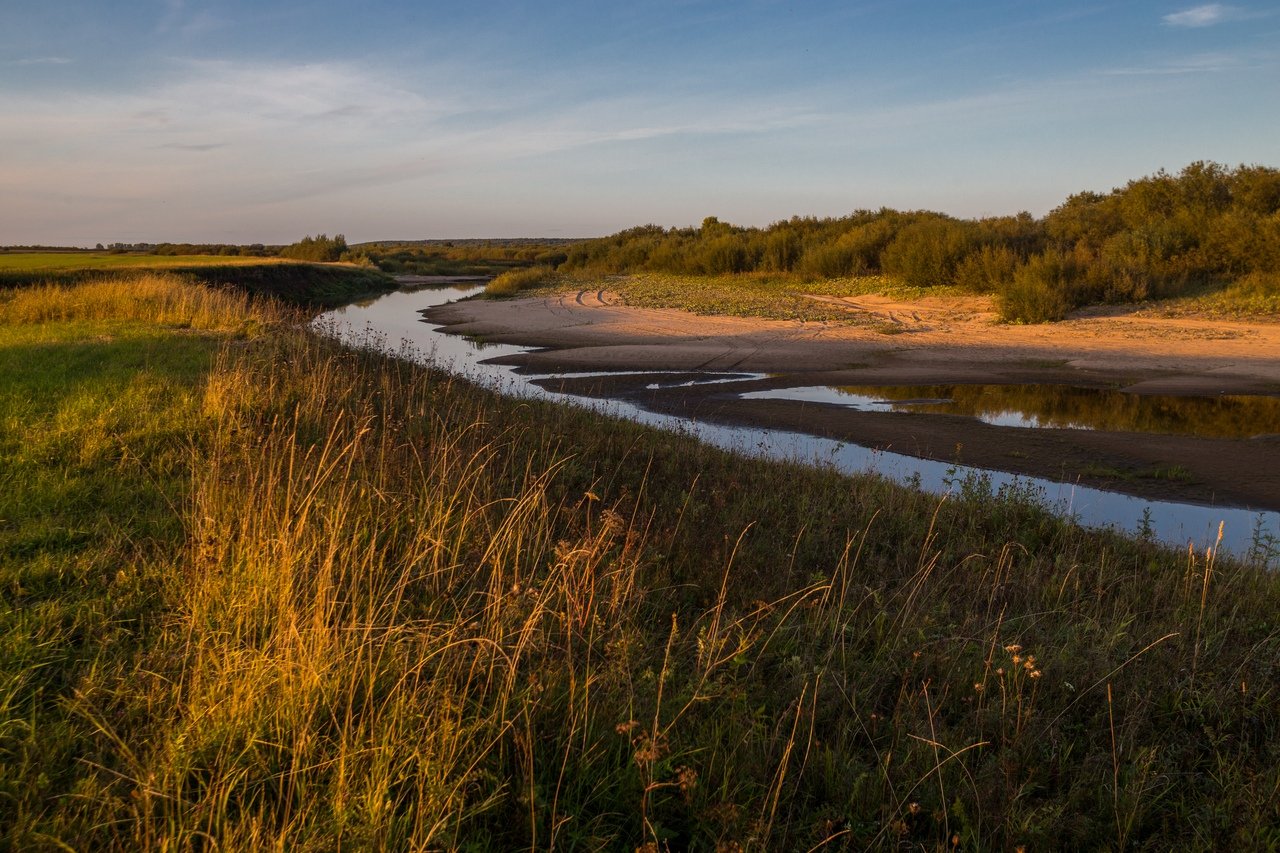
x=933 y=341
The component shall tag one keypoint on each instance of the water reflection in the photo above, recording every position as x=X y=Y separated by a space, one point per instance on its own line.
x=1056 y=407
x=393 y=323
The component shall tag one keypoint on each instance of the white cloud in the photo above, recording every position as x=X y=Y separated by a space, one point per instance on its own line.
x=1201 y=16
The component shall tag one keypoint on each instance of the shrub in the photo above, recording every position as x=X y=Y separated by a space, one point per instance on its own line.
x=987 y=270
x=1041 y=290
x=925 y=253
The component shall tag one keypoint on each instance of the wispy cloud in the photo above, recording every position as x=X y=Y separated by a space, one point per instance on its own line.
x=194 y=146
x=1202 y=16
x=39 y=60
x=1205 y=63
x=269 y=133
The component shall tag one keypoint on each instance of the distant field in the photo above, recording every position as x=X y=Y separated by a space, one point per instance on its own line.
x=27 y=261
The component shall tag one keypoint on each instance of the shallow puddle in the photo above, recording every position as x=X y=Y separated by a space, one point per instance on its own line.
x=1055 y=407
x=392 y=323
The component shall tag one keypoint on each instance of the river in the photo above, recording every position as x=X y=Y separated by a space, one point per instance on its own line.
x=393 y=324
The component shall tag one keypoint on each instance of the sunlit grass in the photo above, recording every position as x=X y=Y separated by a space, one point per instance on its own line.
x=512 y=282
x=1252 y=297
x=157 y=298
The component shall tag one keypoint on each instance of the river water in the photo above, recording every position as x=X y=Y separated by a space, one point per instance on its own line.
x=393 y=323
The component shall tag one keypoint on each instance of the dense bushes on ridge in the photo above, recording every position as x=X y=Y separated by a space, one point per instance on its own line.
x=1161 y=235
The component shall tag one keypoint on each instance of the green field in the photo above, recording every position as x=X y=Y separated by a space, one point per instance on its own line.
x=35 y=261
x=262 y=592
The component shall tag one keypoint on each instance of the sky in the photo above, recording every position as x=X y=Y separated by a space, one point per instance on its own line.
x=245 y=121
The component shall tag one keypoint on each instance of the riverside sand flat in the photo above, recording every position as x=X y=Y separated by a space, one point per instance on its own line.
x=932 y=341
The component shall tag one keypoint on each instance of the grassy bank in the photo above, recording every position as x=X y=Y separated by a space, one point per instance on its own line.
x=306 y=284
x=265 y=592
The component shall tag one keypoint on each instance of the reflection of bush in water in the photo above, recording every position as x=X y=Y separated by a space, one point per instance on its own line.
x=1070 y=406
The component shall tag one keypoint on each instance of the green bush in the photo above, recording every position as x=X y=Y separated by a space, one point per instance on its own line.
x=987 y=270
x=926 y=253
x=1042 y=290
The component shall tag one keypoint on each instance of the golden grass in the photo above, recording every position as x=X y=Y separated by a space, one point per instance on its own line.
x=512 y=282
x=158 y=298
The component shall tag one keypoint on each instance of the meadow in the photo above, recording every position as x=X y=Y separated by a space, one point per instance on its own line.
x=265 y=592
x=56 y=261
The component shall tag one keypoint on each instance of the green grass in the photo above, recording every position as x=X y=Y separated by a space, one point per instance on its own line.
x=262 y=592
x=99 y=390
x=1252 y=297
x=52 y=261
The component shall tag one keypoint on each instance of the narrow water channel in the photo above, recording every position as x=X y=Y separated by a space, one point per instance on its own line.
x=1054 y=407
x=394 y=324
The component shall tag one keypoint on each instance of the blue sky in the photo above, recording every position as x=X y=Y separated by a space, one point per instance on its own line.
x=227 y=121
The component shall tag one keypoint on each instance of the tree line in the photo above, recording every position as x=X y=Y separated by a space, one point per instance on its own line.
x=1158 y=236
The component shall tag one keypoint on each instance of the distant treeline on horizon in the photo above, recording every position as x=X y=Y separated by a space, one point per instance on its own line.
x=1157 y=236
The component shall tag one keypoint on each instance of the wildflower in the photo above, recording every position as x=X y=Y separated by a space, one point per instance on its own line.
x=1035 y=673
x=612 y=521
x=1013 y=647
x=977 y=685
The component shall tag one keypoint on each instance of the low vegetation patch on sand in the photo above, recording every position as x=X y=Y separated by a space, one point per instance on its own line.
x=262 y=591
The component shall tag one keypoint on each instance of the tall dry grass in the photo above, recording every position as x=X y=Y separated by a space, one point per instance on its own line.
x=161 y=298
x=361 y=615
x=401 y=627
